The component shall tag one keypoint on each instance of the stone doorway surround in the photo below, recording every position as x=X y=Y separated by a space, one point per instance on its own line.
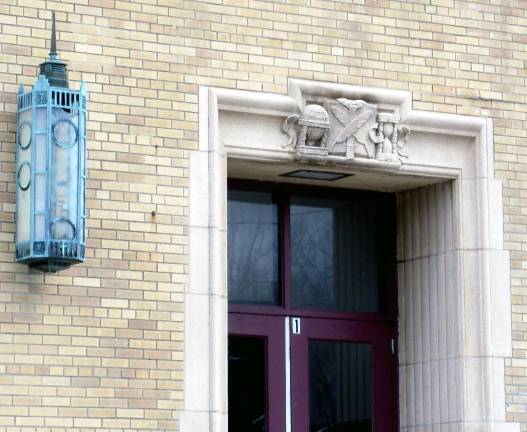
x=453 y=273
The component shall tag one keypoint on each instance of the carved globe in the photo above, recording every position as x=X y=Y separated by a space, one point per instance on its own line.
x=315 y=116
x=316 y=120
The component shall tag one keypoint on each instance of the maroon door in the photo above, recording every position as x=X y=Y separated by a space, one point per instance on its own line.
x=342 y=376
x=271 y=331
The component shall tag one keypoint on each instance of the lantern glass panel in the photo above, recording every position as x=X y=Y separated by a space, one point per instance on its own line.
x=41 y=139
x=41 y=162
x=40 y=227
x=82 y=176
x=23 y=177
x=40 y=192
x=64 y=179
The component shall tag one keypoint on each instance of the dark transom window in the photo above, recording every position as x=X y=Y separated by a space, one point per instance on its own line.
x=314 y=249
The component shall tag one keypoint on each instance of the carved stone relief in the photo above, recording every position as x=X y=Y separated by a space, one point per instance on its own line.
x=308 y=133
x=346 y=128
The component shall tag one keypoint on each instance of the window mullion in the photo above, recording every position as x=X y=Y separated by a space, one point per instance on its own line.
x=285 y=249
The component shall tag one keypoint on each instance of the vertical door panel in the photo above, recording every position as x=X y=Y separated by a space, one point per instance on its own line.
x=342 y=377
x=273 y=331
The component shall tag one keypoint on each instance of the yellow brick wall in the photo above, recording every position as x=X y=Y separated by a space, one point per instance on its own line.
x=99 y=346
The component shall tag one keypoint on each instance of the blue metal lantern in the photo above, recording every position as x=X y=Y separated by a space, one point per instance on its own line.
x=51 y=169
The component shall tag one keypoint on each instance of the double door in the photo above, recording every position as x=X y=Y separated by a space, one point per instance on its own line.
x=299 y=374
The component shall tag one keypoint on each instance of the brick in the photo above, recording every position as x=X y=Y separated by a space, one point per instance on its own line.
x=143 y=65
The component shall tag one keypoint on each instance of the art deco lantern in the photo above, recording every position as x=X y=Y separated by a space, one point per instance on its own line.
x=51 y=169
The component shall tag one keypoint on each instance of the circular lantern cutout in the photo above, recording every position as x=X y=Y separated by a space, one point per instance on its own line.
x=65 y=133
x=62 y=229
x=24 y=135
x=24 y=175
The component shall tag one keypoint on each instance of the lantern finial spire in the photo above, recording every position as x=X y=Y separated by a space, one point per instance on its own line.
x=53 y=54
x=53 y=69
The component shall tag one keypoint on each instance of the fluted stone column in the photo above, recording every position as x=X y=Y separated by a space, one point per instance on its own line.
x=450 y=377
x=429 y=305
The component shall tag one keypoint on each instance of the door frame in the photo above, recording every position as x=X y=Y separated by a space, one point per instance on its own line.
x=274 y=321
x=456 y=149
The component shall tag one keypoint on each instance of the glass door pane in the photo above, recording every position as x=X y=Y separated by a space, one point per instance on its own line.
x=340 y=386
x=247 y=384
